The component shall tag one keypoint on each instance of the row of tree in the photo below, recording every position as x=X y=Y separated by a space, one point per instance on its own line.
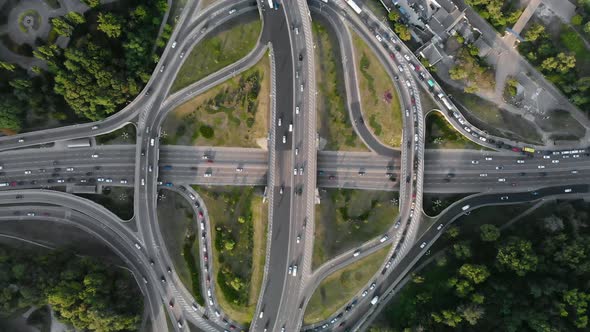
x=500 y=13
x=531 y=277
x=469 y=67
x=83 y=292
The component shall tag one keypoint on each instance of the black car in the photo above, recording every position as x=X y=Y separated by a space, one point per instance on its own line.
x=300 y=57
x=34 y=182
x=50 y=181
x=97 y=167
x=89 y=173
x=57 y=169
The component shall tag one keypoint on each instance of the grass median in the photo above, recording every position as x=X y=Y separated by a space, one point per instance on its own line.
x=227 y=46
x=349 y=217
x=339 y=287
x=333 y=123
x=238 y=222
x=179 y=229
x=234 y=113
x=379 y=100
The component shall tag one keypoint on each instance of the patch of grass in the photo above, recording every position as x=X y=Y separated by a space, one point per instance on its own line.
x=433 y=204
x=216 y=52
x=563 y=124
x=488 y=116
x=179 y=230
x=124 y=135
x=236 y=236
x=574 y=43
x=339 y=287
x=118 y=200
x=379 y=100
x=333 y=118
x=441 y=135
x=349 y=217
x=234 y=113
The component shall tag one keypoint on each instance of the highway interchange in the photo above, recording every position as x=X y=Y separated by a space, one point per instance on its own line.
x=509 y=177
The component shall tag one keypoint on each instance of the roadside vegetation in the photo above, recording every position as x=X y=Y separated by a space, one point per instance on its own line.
x=234 y=113
x=105 y=64
x=471 y=69
x=85 y=293
x=340 y=287
x=563 y=57
x=379 y=100
x=218 y=51
x=333 y=116
x=118 y=200
x=179 y=229
x=238 y=223
x=124 y=135
x=501 y=14
x=348 y=217
x=441 y=135
x=433 y=204
x=529 y=276
x=488 y=116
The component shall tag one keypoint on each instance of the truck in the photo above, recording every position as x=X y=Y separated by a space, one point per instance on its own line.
x=431 y=84
x=354 y=6
x=528 y=149
x=374 y=300
x=447 y=104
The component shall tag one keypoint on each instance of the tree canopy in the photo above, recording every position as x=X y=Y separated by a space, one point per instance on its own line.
x=84 y=292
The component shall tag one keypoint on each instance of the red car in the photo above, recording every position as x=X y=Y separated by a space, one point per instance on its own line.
x=13 y=184
x=392 y=56
x=205 y=256
x=332 y=177
x=200 y=214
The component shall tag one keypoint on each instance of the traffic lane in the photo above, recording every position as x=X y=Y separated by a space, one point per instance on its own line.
x=276 y=31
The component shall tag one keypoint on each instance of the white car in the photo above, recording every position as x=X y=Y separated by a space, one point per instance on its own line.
x=400 y=68
x=568 y=190
x=149 y=168
x=295 y=171
x=100 y=180
x=296 y=31
x=501 y=180
x=290 y=270
x=290 y=127
x=137 y=246
x=239 y=169
x=379 y=38
x=574 y=172
x=423 y=245
x=231 y=11
x=21 y=140
x=356 y=253
x=280 y=123
x=407 y=113
x=397 y=224
x=483 y=139
x=174 y=44
x=406 y=57
x=439 y=227
x=373 y=285
x=546 y=157
x=301 y=170
x=467 y=129
x=95 y=156
x=296 y=151
x=296 y=109
x=27 y=172
x=489 y=158
x=162 y=68
x=383 y=238
x=504 y=198
x=69 y=169
x=142 y=181
x=208 y=174
x=284 y=139
x=94 y=127
x=181 y=54
x=294 y=270
x=520 y=161
x=298 y=238
x=61 y=180
x=483 y=174
x=365 y=293
x=123 y=181
x=475 y=162
x=30 y=214
x=108 y=180
x=555 y=161
x=576 y=156
x=301 y=87
x=541 y=166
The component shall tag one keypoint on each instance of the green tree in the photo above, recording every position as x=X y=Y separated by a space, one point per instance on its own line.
x=11 y=112
x=472 y=313
x=393 y=16
x=576 y=20
x=489 y=233
x=458 y=73
x=565 y=62
x=447 y=317
x=402 y=31
x=109 y=24
x=75 y=18
x=471 y=88
x=462 y=250
x=587 y=27
x=517 y=255
x=578 y=302
x=7 y=66
x=453 y=231
x=92 y=3
x=534 y=32
x=474 y=273
x=62 y=27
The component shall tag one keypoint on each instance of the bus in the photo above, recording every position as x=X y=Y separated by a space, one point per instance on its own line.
x=431 y=84
x=447 y=104
x=528 y=149
x=354 y=6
